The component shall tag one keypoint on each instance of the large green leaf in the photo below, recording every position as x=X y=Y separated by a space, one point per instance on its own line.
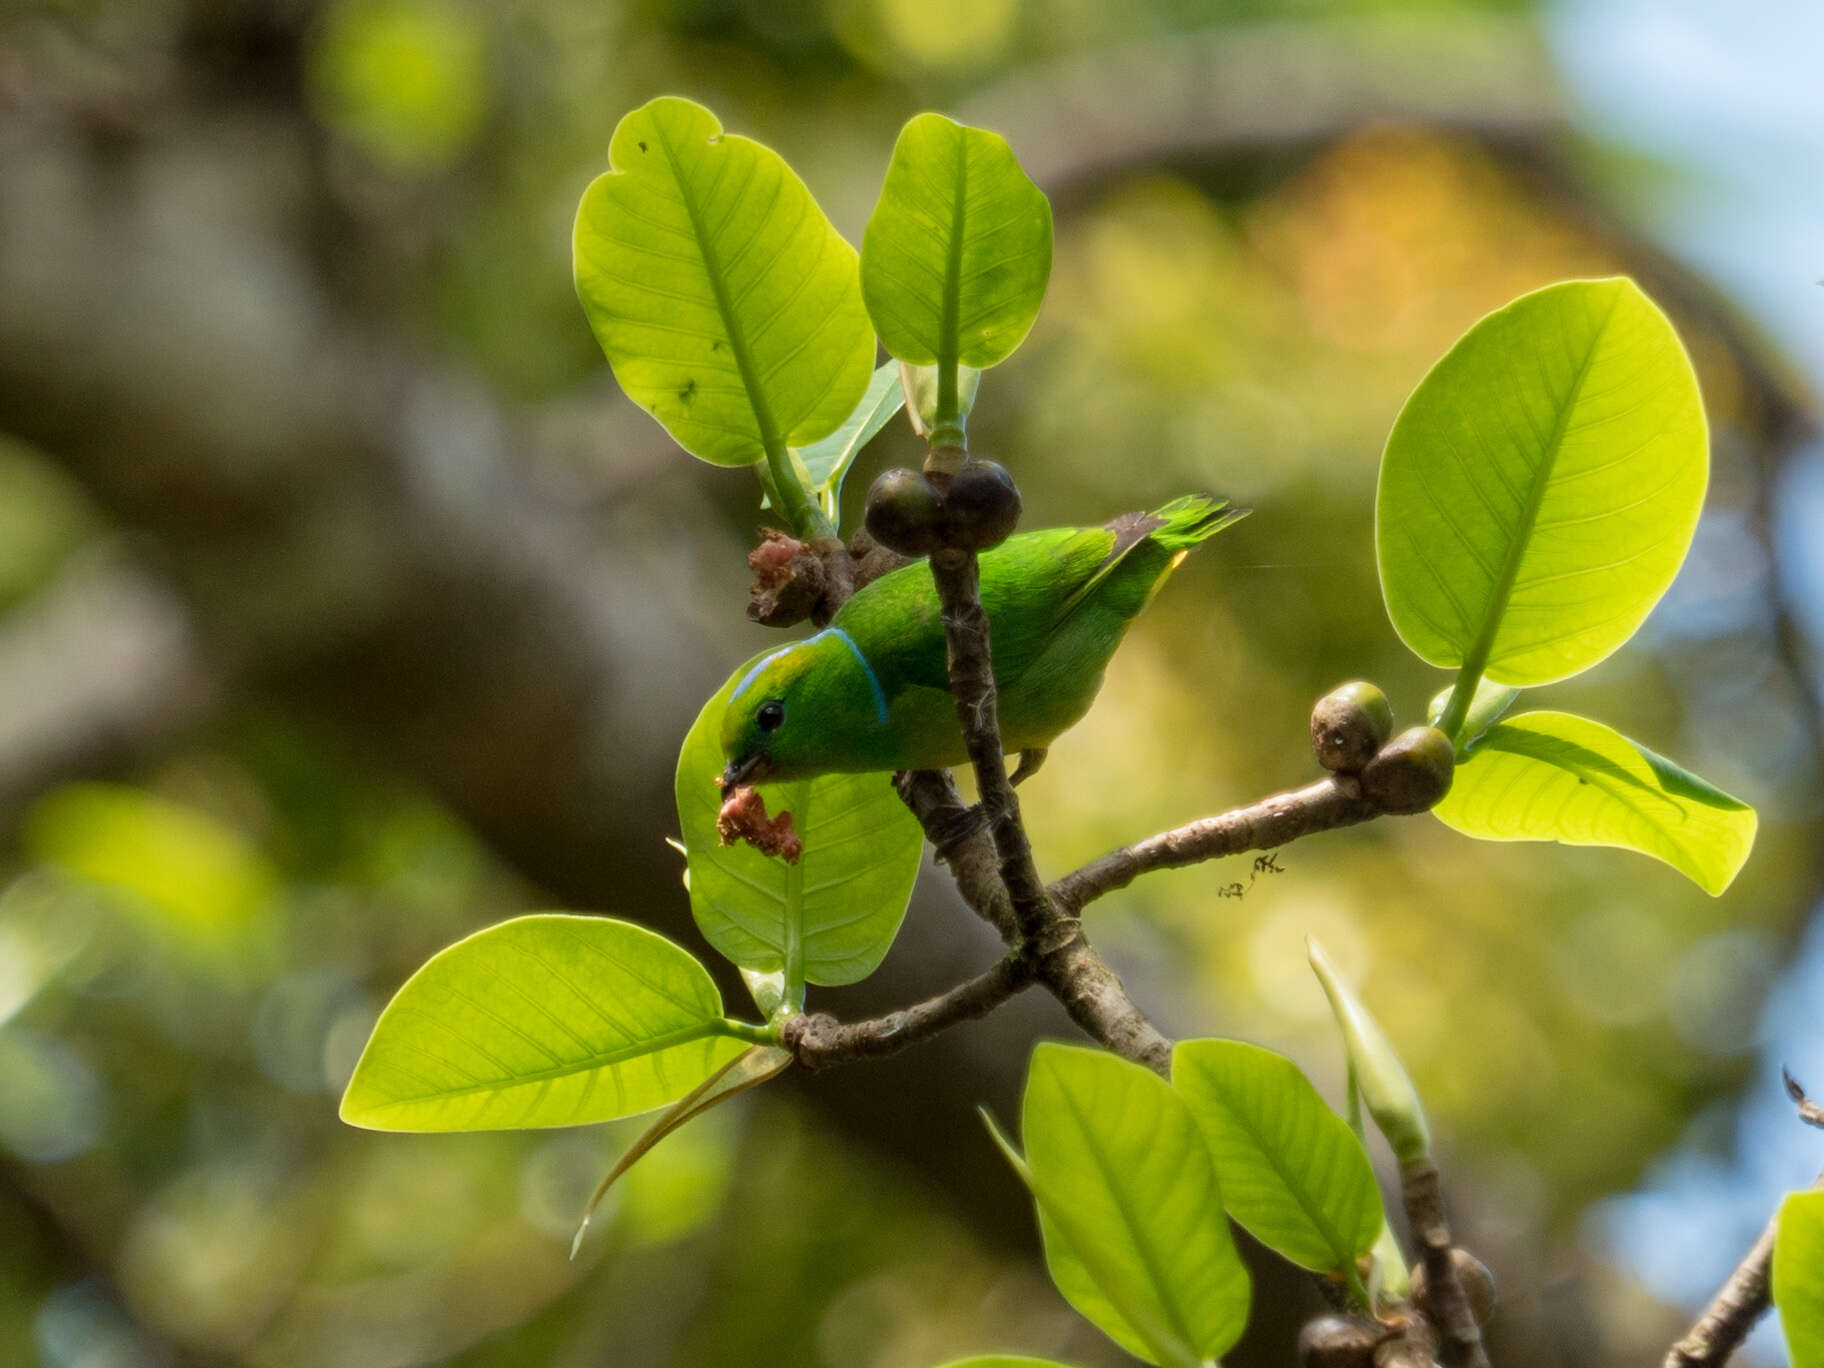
x=956 y=256
x=827 y=463
x=1293 y=1173
x=1540 y=487
x=1129 y=1204
x=827 y=919
x=728 y=306
x=1798 y=1276
x=1552 y=776
x=546 y=1020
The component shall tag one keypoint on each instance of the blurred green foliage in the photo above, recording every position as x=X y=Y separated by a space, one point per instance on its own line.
x=406 y=80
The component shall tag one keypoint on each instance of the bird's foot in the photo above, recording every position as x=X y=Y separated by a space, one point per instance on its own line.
x=1030 y=760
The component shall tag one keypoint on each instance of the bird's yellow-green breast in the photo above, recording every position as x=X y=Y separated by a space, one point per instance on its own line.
x=870 y=692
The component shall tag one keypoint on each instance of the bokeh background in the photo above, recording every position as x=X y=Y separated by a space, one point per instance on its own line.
x=346 y=606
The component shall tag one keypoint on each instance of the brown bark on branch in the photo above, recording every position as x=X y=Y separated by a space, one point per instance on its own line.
x=1009 y=892
x=821 y=1041
x=1747 y=1293
x=1272 y=822
x=1459 y=1337
x=971 y=666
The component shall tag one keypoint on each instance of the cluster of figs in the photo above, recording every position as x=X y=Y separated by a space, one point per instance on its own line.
x=917 y=512
x=1351 y=727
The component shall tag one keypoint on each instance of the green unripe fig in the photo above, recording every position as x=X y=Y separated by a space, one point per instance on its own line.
x=1339 y=1342
x=904 y=513
x=1348 y=725
x=982 y=506
x=1478 y=1285
x=1411 y=772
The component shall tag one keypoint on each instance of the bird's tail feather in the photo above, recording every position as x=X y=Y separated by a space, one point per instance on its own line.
x=1174 y=528
x=1190 y=519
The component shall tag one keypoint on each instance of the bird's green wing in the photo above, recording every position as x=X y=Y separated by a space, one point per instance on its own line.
x=1025 y=584
x=1146 y=546
x=1031 y=585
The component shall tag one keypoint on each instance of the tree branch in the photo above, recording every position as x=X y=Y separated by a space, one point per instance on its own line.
x=971 y=667
x=1745 y=1296
x=1007 y=889
x=1069 y=966
x=1332 y=802
x=821 y=1041
x=1459 y=1337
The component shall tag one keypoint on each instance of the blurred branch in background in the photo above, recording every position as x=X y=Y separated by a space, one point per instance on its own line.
x=98 y=669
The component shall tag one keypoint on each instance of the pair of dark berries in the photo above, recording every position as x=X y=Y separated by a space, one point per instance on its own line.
x=1350 y=727
x=915 y=514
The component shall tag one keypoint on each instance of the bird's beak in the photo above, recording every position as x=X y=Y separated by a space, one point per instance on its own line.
x=748 y=769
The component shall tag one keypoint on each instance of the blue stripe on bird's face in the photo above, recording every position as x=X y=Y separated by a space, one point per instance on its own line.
x=795 y=706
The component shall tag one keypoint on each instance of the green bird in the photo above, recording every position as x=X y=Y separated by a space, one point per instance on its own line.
x=870 y=692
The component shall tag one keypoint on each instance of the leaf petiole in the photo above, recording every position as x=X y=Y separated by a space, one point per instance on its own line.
x=751 y=1032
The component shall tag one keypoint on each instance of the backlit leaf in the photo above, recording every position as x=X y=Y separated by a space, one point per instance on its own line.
x=1129 y=1204
x=1293 y=1173
x=728 y=306
x=545 y=1020
x=958 y=251
x=826 y=463
x=1798 y=1276
x=1552 y=776
x=1540 y=487
x=835 y=912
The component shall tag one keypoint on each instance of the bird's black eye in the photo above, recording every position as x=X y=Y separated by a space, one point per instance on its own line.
x=771 y=716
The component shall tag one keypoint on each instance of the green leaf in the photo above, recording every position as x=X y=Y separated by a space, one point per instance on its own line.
x=1553 y=776
x=1380 y=1076
x=546 y=1020
x=956 y=256
x=829 y=918
x=827 y=463
x=1540 y=487
x=1798 y=1276
x=1071 y=1242
x=1293 y=1173
x=728 y=306
x=1129 y=1203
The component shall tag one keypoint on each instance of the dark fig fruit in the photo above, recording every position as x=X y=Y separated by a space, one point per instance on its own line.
x=905 y=513
x=1348 y=725
x=1411 y=772
x=1478 y=1285
x=982 y=506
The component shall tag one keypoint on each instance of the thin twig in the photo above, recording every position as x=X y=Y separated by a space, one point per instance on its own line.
x=1331 y=802
x=959 y=835
x=1006 y=888
x=1459 y=1337
x=1809 y=1112
x=1269 y=824
x=1746 y=1294
x=971 y=671
x=820 y=1041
